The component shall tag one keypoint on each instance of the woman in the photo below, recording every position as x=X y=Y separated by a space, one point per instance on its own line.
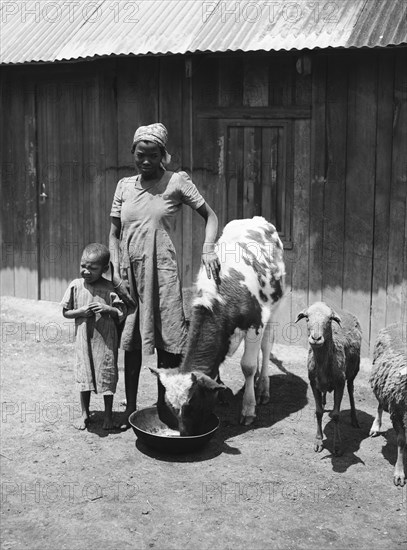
x=142 y=222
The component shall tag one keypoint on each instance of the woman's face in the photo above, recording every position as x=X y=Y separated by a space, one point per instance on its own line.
x=147 y=156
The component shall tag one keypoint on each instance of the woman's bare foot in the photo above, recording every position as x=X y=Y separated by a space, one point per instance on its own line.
x=125 y=424
x=82 y=422
x=108 y=423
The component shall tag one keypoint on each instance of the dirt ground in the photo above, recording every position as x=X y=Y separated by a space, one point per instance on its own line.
x=261 y=487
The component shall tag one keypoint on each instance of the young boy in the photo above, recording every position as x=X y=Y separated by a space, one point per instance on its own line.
x=97 y=310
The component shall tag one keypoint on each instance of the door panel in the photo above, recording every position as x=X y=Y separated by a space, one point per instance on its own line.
x=258 y=174
x=64 y=177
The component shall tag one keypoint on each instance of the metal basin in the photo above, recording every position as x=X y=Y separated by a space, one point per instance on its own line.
x=154 y=433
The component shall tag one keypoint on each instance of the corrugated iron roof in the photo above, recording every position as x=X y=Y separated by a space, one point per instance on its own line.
x=47 y=31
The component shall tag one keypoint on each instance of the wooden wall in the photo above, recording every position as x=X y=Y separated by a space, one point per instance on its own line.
x=67 y=131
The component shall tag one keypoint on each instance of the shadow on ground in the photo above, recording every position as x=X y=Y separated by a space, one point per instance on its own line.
x=351 y=439
x=389 y=449
x=288 y=395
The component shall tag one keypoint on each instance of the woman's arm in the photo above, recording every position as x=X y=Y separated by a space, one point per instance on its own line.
x=114 y=246
x=209 y=257
x=114 y=242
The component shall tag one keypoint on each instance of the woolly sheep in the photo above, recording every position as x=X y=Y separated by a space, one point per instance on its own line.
x=333 y=358
x=388 y=380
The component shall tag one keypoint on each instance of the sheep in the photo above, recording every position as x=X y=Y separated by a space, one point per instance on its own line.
x=388 y=380
x=239 y=307
x=333 y=357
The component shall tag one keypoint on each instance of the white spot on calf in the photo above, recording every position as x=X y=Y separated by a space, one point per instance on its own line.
x=235 y=341
x=177 y=387
x=208 y=289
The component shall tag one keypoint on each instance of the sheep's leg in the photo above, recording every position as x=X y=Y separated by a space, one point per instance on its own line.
x=319 y=411
x=353 y=417
x=377 y=422
x=399 y=475
x=249 y=364
x=323 y=399
x=338 y=394
x=263 y=383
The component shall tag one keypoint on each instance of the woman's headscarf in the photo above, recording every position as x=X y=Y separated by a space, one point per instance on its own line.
x=157 y=133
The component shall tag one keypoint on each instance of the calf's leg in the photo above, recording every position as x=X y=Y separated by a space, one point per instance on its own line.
x=263 y=383
x=249 y=364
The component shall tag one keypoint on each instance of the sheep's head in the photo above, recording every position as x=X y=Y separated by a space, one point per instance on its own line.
x=319 y=317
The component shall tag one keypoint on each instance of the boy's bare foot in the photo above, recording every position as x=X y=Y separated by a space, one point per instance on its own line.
x=81 y=423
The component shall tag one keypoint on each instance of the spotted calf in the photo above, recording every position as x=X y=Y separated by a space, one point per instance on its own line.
x=239 y=307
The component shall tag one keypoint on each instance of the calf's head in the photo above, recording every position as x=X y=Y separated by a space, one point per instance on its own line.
x=185 y=400
x=319 y=317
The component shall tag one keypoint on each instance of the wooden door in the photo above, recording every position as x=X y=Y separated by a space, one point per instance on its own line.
x=67 y=168
x=258 y=173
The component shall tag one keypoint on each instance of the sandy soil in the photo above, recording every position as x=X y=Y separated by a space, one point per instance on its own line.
x=259 y=487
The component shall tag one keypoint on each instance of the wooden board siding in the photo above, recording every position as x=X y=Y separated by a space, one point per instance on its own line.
x=361 y=163
x=383 y=176
x=333 y=226
x=318 y=162
x=19 y=190
x=398 y=193
x=297 y=257
x=244 y=126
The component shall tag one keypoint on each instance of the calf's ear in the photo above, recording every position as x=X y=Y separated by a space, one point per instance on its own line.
x=155 y=370
x=158 y=372
x=207 y=382
x=302 y=315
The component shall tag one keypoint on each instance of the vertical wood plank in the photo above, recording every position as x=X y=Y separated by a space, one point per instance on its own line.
x=255 y=82
x=267 y=174
x=108 y=155
x=297 y=257
x=30 y=227
x=229 y=90
x=187 y=165
x=384 y=141
x=398 y=193
x=19 y=189
x=206 y=150
x=318 y=175
x=360 y=184
x=137 y=104
x=170 y=114
x=334 y=199
x=249 y=171
x=9 y=97
x=234 y=169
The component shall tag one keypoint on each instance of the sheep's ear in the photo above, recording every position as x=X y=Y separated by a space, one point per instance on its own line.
x=301 y=315
x=335 y=317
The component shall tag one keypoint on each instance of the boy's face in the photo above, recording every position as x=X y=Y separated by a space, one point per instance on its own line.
x=91 y=268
